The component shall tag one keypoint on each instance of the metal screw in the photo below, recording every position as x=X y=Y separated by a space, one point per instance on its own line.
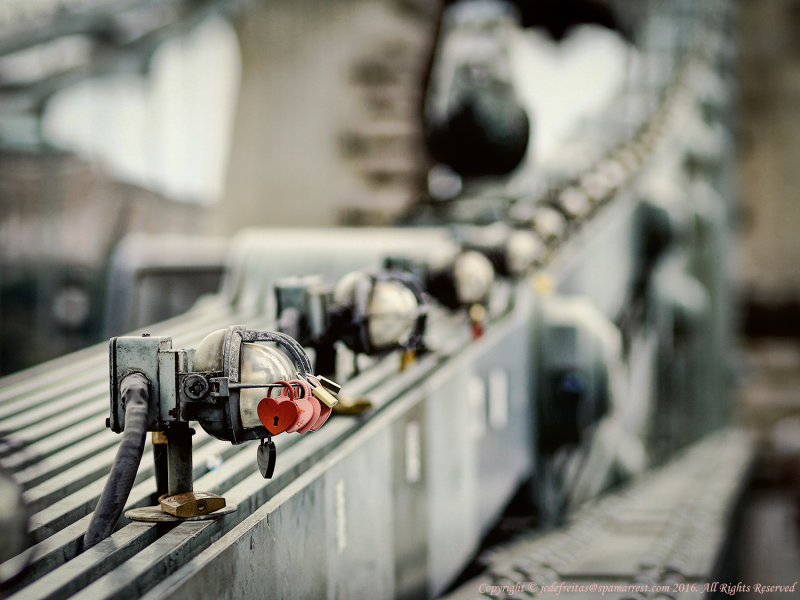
x=195 y=386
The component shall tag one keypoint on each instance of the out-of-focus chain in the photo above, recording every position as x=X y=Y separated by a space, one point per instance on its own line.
x=599 y=184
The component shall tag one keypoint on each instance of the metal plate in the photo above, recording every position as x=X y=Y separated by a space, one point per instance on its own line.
x=154 y=514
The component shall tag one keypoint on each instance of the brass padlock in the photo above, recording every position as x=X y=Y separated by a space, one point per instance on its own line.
x=329 y=384
x=324 y=396
x=192 y=504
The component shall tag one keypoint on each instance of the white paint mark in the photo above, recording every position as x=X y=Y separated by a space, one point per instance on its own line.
x=413 y=453
x=341 y=517
x=498 y=398
x=476 y=393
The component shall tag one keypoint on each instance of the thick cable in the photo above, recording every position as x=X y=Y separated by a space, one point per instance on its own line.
x=134 y=390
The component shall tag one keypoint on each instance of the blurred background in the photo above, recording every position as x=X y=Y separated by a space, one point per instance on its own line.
x=129 y=129
x=179 y=119
x=137 y=137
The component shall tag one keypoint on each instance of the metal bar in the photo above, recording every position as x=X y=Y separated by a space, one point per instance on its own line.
x=43 y=468
x=179 y=458
x=70 y=578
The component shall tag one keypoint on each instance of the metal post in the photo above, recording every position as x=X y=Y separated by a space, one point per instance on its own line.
x=179 y=458
x=159 y=439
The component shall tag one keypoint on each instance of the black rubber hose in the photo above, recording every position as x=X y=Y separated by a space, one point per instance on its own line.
x=135 y=397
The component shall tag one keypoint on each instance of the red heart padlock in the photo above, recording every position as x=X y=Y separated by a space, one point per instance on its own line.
x=313 y=403
x=324 y=412
x=278 y=414
x=305 y=410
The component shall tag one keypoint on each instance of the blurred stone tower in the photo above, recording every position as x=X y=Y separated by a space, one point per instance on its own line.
x=328 y=124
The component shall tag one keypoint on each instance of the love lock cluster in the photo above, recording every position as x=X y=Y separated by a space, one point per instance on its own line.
x=297 y=409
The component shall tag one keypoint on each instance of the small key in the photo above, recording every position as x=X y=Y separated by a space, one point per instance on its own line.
x=266 y=457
